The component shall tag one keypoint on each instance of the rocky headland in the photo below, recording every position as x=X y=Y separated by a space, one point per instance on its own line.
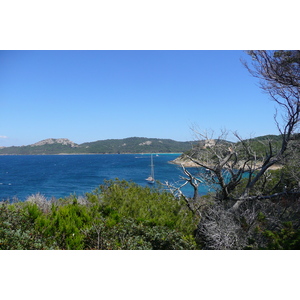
x=187 y=163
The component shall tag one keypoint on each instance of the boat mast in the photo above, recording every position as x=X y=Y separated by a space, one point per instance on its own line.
x=152 y=167
x=151 y=179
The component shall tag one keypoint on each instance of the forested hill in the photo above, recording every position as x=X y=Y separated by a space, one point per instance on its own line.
x=258 y=145
x=127 y=145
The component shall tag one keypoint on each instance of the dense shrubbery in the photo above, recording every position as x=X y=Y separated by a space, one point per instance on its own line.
x=288 y=238
x=123 y=215
x=118 y=215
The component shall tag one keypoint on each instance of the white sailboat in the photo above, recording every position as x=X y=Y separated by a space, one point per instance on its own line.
x=151 y=179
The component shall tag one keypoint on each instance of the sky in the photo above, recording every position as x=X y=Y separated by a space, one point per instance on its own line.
x=95 y=95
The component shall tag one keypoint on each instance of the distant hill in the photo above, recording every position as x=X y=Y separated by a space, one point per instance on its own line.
x=135 y=145
x=259 y=145
x=127 y=145
x=130 y=145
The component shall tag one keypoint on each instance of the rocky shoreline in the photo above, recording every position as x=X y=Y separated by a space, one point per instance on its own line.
x=190 y=164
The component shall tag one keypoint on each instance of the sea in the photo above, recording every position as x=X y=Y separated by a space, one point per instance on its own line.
x=60 y=176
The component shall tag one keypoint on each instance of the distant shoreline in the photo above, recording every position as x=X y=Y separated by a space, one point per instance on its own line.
x=155 y=153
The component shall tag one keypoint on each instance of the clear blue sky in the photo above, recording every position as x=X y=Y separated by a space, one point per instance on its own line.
x=93 y=95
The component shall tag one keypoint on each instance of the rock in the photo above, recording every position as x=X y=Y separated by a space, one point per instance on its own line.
x=55 y=141
x=145 y=143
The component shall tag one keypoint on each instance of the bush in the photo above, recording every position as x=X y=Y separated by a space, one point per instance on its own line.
x=17 y=230
x=117 y=215
x=288 y=238
x=131 y=235
x=145 y=204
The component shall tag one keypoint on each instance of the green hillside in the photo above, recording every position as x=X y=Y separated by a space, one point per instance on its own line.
x=37 y=150
x=127 y=145
x=259 y=146
x=135 y=145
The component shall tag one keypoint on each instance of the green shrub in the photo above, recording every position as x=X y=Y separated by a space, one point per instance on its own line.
x=288 y=238
x=145 y=204
x=131 y=235
x=64 y=224
x=17 y=230
x=117 y=215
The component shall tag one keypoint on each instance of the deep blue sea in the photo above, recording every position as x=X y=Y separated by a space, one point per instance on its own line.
x=62 y=175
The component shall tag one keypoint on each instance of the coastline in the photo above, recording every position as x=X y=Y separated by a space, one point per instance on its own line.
x=190 y=164
x=143 y=153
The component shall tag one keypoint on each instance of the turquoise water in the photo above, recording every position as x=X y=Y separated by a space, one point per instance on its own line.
x=63 y=175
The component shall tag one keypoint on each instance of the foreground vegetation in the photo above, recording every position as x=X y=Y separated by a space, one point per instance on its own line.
x=121 y=215
x=118 y=215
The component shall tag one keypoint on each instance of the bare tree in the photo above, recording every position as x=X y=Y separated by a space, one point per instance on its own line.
x=275 y=67
x=279 y=72
x=238 y=202
x=191 y=203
